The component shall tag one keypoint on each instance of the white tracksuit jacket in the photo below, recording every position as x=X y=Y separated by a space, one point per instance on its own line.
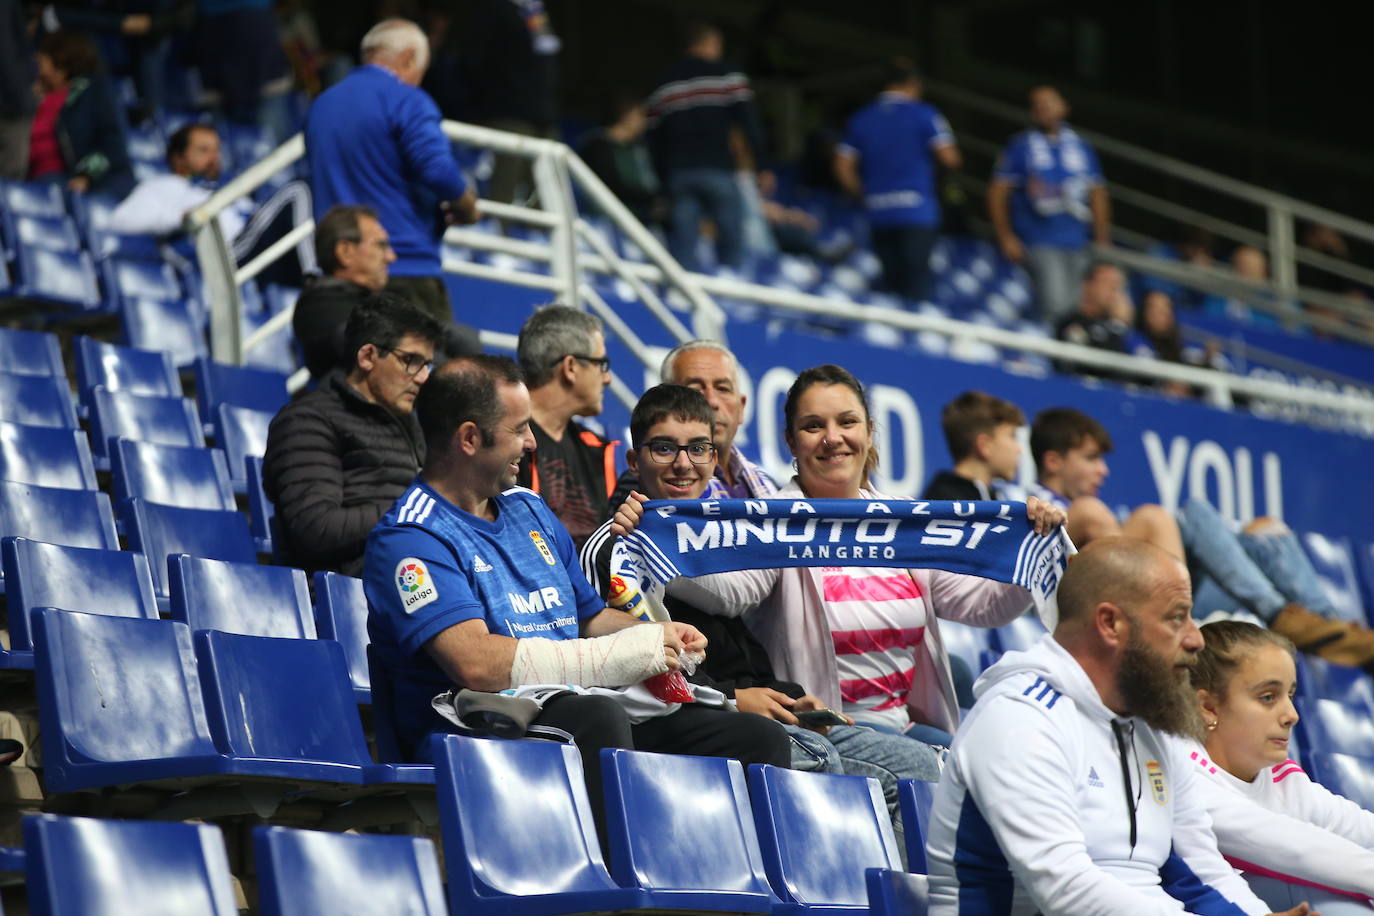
x=1032 y=813
x=1283 y=825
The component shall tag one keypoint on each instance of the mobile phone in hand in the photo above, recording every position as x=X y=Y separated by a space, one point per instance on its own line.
x=819 y=718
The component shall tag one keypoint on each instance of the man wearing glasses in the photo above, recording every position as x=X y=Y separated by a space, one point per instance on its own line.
x=338 y=457
x=563 y=354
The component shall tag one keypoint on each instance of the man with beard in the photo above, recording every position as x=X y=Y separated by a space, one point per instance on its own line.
x=1063 y=794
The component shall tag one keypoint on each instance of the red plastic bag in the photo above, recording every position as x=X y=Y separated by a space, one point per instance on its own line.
x=670 y=687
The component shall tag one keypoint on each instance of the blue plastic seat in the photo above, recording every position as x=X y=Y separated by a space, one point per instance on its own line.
x=46 y=456
x=242 y=386
x=1350 y=776
x=38 y=198
x=1019 y=635
x=141 y=279
x=819 y=832
x=1330 y=725
x=159 y=420
x=518 y=832
x=31 y=353
x=1320 y=679
x=240 y=597
x=101 y=867
x=75 y=518
x=37 y=400
x=64 y=278
x=176 y=328
x=160 y=531
x=915 y=798
x=897 y=893
x=1333 y=559
x=262 y=514
x=387 y=741
x=124 y=369
x=310 y=872
x=713 y=861
x=965 y=641
x=50 y=233
x=242 y=433
x=192 y=478
x=341 y=615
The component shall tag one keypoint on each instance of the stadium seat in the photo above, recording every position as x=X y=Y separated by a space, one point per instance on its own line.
x=124 y=369
x=38 y=198
x=384 y=735
x=965 y=641
x=160 y=531
x=1330 y=725
x=46 y=456
x=240 y=597
x=242 y=386
x=819 y=832
x=75 y=518
x=897 y=893
x=49 y=233
x=1344 y=774
x=1320 y=679
x=192 y=478
x=915 y=798
x=1333 y=558
x=39 y=575
x=544 y=858
x=242 y=433
x=31 y=353
x=100 y=867
x=262 y=515
x=310 y=872
x=713 y=862
x=36 y=400
x=1022 y=633
x=159 y=420
x=177 y=328
x=127 y=279
x=341 y=615
x=58 y=278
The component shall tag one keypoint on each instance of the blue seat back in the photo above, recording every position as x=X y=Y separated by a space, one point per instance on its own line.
x=158 y=531
x=279 y=698
x=964 y=641
x=142 y=279
x=242 y=433
x=915 y=798
x=309 y=872
x=100 y=867
x=240 y=597
x=36 y=400
x=37 y=198
x=76 y=518
x=175 y=327
x=1320 y=679
x=31 y=353
x=192 y=478
x=62 y=277
x=48 y=456
x=159 y=420
x=384 y=733
x=125 y=369
x=114 y=690
x=706 y=800
x=1333 y=559
x=1330 y=725
x=1344 y=774
x=37 y=575
x=819 y=832
x=1019 y=635
x=897 y=893
x=341 y=615
x=517 y=824
x=52 y=233
x=261 y=512
x=242 y=386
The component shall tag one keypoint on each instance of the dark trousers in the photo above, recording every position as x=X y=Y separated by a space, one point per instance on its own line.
x=905 y=255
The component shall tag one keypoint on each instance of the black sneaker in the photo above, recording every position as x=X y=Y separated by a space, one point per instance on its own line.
x=10 y=751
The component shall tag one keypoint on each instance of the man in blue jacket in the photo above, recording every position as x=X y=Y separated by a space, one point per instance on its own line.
x=374 y=139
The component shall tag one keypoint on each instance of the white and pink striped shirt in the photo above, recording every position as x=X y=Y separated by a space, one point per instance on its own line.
x=877 y=619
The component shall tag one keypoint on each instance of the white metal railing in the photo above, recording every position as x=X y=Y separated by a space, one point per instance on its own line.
x=556 y=169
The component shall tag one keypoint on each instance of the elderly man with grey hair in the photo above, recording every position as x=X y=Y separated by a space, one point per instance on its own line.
x=374 y=139
x=563 y=353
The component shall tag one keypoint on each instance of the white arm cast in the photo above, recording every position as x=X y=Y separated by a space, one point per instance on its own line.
x=622 y=658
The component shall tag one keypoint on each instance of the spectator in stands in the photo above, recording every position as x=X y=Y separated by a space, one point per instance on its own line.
x=888 y=159
x=691 y=115
x=1251 y=265
x=710 y=367
x=1292 y=839
x=17 y=73
x=473 y=584
x=563 y=354
x=77 y=135
x=1193 y=246
x=980 y=432
x=1028 y=812
x=898 y=679
x=1263 y=570
x=239 y=53
x=677 y=419
x=158 y=206
x=619 y=156
x=1157 y=335
x=1097 y=321
x=374 y=139
x=339 y=456
x=1046 y=196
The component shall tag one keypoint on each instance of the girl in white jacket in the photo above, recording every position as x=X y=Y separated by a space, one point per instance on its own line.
x=1291 y=838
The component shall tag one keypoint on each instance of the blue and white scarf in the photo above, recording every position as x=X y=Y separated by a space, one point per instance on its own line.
x=993 y=540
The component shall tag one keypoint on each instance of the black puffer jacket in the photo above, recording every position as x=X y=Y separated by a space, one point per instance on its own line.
x=334 y=464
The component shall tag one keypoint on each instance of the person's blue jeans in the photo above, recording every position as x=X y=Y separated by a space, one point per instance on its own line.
x=1283 y=896
x=714 y=193
x=904 y=252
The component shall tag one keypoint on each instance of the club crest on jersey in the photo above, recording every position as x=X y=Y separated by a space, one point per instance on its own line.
x=543 y=547
x=1159 y=788
x=414 y=585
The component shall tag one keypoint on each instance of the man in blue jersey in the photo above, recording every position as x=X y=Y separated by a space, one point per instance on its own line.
x=1047 y=200
x=374 y=139
x=471 y=581
x=888 y=158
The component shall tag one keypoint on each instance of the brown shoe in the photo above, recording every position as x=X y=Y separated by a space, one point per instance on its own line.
x=1336 y=641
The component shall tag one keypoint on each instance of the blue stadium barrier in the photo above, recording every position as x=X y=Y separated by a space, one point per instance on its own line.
x=161 y=531
x=36 y=400
x=124 y=369
x=819 y=832
x=159 y=420
x=80 y=865
x=192 y=478
x=915 y=799
x=31 y=353
x=241 y=598
x=242 y=386
x=310 y=872
x=1344 y=774
x=46 y=456
x=897 y=893
x=242 y=433
x=341 y=615
x=713 y=862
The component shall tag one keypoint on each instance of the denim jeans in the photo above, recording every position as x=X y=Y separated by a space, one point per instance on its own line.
x=1282 y=896
x=1057 y=274
x=694 y=193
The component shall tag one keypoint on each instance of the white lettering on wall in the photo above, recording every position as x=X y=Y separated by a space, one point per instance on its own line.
x=1205 y=467
x=896 y=414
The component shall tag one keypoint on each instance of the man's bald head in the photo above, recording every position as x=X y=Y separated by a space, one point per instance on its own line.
x=1120 y=571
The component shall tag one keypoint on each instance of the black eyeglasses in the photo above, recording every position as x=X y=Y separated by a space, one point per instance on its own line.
x=414 y=363
x=664 y=451
x=603 y=361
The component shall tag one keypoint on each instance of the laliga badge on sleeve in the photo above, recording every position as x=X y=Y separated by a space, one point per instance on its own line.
x=414 y=584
